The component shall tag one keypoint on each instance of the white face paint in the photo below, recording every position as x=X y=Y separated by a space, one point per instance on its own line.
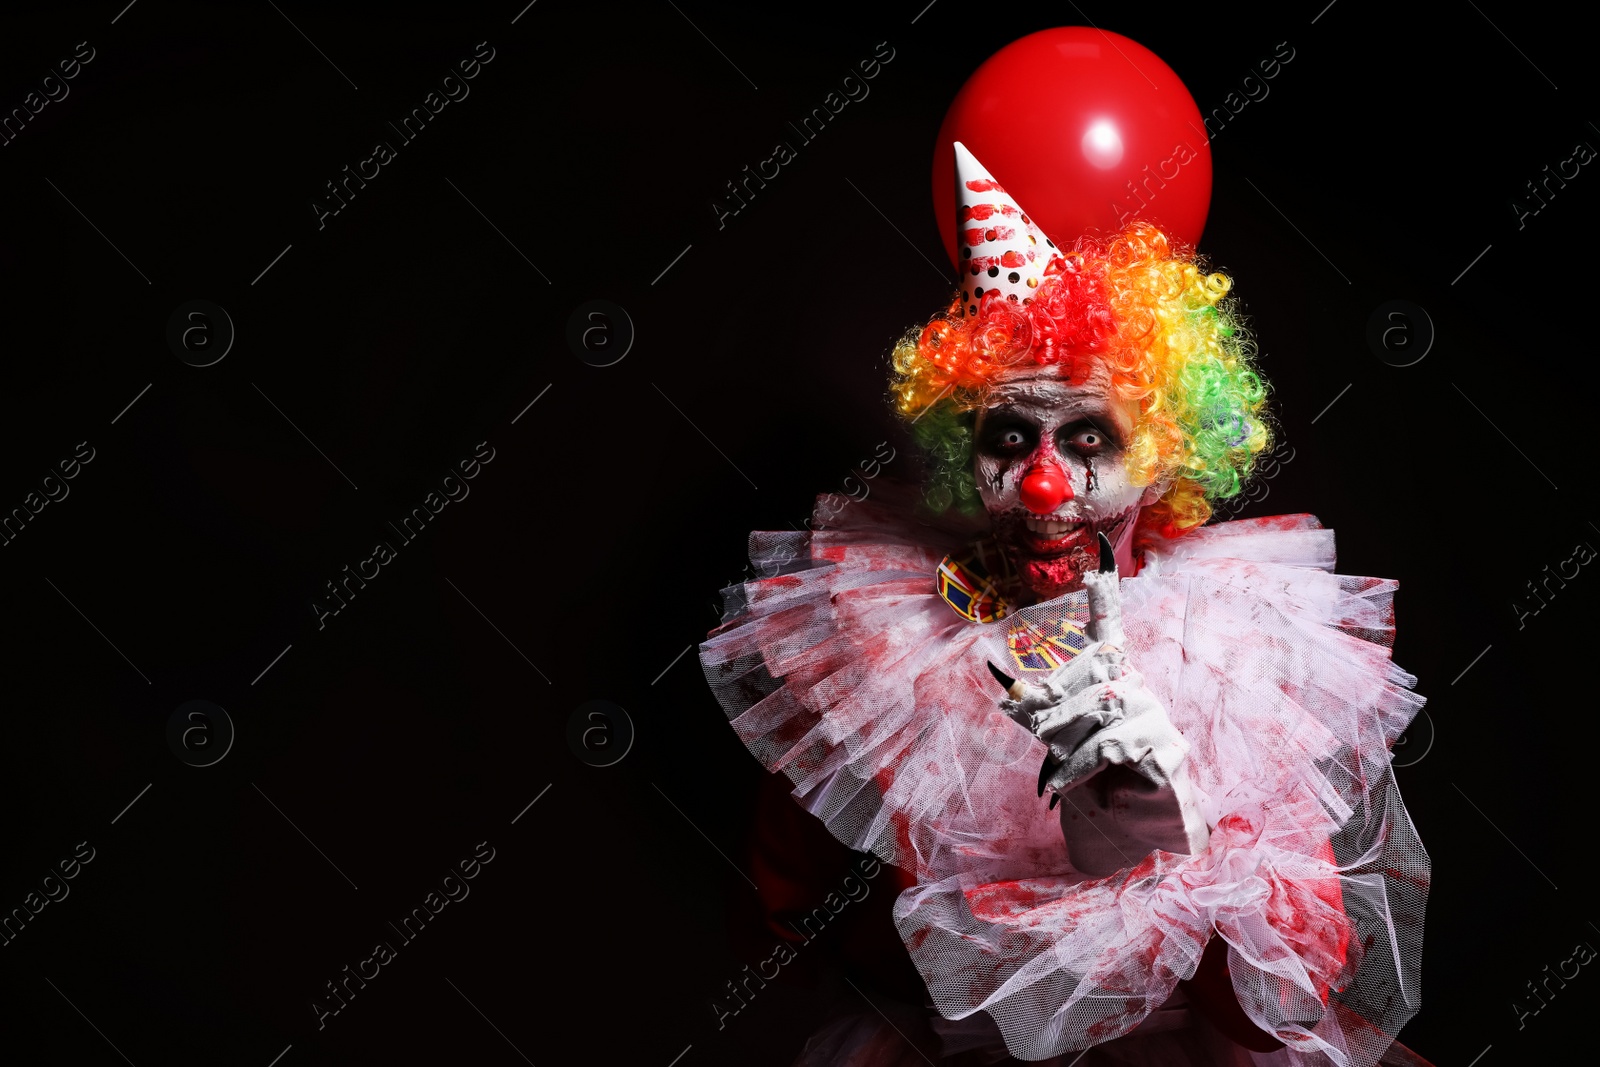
x=1039 y=416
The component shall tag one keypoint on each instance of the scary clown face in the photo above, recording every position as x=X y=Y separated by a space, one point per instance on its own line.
x=1049 y=459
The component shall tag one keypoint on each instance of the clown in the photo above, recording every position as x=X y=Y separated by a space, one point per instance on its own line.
x=1231 y=877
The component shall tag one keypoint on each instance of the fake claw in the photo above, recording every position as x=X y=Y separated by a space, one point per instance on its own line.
x=1014 y=688
x=1005 y=680
x=1055 y=798
x=1047 y=770
x=1108 y=557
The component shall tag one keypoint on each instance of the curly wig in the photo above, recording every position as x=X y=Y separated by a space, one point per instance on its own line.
x=1168 y=332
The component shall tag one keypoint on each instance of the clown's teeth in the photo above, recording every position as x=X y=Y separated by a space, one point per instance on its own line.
x=1051 y=527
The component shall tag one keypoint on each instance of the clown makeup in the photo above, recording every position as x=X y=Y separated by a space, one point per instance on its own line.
x=1049 y=460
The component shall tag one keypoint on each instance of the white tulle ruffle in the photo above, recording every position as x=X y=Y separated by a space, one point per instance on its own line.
x=843 y=668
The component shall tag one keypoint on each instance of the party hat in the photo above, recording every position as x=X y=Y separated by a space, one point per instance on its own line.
x=1002 y=250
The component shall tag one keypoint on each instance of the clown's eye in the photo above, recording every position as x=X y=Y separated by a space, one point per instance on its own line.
x=1087 y=441
x=1012 y=439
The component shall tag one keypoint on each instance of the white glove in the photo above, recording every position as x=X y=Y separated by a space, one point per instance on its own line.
x=1114 y=755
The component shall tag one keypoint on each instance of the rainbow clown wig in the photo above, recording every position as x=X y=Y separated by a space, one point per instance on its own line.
x=1165 y=328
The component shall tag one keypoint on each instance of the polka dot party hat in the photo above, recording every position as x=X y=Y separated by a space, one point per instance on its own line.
x=1002 y=250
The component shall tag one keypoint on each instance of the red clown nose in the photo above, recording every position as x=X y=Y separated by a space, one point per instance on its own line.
x=1044 y=489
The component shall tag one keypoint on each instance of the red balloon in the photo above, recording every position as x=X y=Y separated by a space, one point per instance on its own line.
x=1087 y=130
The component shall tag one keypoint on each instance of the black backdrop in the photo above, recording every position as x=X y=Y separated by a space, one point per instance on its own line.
x=380 y=749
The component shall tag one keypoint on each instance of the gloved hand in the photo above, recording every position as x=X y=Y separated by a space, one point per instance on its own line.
x=1114 y=755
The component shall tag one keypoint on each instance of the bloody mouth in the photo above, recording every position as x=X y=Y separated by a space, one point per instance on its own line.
x=1052 y=555
x=1047 y=544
